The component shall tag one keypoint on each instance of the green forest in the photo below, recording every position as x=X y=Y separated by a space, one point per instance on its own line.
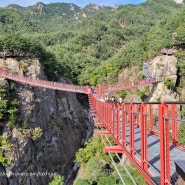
x=93 y=50
x=91 y=47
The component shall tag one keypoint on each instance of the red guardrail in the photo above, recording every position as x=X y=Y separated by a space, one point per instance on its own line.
x=104 y=89
x=44 y=83
x=159 y=119
x=119 y=120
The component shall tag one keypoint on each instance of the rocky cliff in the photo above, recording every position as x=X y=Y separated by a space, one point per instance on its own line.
x=50 y=128
x=161 y=67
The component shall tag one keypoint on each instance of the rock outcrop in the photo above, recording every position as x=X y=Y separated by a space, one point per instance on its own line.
x=160 y=67
x=59 y=116
x=163 y=67
x=179 y=1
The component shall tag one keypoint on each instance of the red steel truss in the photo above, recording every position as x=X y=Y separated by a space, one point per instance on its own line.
x=104 y=89
x=44 y=83
x=130 y=125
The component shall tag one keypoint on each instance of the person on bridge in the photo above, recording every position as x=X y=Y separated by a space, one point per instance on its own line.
x=102 y=99
x=113 y=100
x=120 y=101
x=106 y=98
x=169 y=52
x=146 y=71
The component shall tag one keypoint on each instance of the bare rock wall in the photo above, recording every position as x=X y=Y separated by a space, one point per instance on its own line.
x=59 y=115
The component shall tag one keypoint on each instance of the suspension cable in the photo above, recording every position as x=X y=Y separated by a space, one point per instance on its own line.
x=121 y=162
x=117 y=170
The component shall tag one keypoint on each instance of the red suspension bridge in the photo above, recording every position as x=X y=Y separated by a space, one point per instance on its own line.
x=146 y=133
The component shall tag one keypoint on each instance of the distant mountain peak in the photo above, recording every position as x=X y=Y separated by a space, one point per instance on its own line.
x=72 y=7
x=94 y=6
x=40 y=4
x=16 y=6
x=38 y=8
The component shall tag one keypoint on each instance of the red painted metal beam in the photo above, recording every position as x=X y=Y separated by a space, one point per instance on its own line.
x=104 y=132
x=99 y=124
x=113 y=149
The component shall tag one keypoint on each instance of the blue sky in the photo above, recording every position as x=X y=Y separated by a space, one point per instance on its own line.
x=81 y=3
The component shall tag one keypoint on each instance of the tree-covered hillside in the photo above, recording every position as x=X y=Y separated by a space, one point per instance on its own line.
x=12 y=21
x=53 y=17
x=93 y=49
x=91 y=46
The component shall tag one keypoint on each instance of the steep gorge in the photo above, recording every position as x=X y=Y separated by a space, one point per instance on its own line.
x=58 y=119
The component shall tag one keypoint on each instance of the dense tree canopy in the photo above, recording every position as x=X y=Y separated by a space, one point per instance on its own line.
x=91 y=46
x=93 y=50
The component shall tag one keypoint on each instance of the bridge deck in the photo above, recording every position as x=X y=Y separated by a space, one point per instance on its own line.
x=154 y=152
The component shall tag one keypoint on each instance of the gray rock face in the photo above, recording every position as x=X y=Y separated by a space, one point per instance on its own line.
x=163 y=67
x=179 y=1
x=62 y=120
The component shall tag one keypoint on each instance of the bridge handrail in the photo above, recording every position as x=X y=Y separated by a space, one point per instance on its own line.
x=146 y=116
x=73 y=88
x=44 y=83
x=114 y=87
x=133 y=114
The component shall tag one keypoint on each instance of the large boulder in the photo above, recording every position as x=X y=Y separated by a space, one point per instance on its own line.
x=163 y=67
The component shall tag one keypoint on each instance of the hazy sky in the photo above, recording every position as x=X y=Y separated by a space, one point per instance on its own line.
x=81 y=3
